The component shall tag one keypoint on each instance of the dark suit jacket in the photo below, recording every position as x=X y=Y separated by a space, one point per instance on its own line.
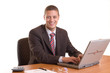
x=41 y=49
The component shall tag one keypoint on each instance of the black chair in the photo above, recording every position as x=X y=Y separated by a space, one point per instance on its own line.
x=23 y=51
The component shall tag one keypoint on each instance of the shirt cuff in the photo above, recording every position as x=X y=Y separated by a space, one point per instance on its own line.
x=60 y=59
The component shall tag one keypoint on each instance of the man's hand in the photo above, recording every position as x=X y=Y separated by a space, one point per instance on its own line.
x=71 y=59
x=80 y=57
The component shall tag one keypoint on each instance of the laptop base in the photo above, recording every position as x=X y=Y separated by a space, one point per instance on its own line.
x=77 y=66
x=68 y=65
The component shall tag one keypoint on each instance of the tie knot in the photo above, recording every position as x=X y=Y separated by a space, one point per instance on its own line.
x=52 y=34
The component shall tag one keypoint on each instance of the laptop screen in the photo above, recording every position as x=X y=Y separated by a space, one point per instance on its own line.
x=94 y=51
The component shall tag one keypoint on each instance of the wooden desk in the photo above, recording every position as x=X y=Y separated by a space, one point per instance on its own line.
x=102 y=67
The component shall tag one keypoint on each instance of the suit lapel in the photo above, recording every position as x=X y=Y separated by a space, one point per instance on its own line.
x=46 y=38
x=58 y=38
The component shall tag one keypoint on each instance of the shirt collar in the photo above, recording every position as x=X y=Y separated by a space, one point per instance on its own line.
x=49 y=32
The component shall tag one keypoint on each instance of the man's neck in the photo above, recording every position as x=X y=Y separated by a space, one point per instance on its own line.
x=52 y=30
x=48 y=30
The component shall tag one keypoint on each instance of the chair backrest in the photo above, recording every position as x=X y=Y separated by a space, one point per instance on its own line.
x=23 y=51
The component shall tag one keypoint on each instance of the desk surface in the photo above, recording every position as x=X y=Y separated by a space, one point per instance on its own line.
x=102 y=67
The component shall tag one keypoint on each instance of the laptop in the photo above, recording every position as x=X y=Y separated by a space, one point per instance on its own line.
x=92 y=54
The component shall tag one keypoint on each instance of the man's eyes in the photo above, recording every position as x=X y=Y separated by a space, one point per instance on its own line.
x=48 y=17
x=54 y=17
x=51 y=17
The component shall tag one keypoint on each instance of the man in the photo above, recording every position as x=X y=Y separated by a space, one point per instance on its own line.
x=48 y=43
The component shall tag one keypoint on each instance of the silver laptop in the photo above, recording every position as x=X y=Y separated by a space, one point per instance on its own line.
x=92 y=54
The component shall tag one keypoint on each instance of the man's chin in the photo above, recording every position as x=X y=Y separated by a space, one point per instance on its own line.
x=52 y=28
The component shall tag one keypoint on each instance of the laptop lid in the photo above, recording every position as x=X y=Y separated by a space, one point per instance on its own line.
x=93 y=53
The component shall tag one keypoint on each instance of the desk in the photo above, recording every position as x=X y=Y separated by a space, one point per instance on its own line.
x=102 y=67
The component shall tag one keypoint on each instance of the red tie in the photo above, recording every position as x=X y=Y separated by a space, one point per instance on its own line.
x=52 y=43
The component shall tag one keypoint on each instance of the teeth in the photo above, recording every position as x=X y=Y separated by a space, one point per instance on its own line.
x=51 y=23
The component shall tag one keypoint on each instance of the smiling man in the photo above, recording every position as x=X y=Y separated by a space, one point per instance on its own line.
x=49 y=43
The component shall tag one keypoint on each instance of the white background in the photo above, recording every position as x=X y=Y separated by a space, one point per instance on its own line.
x=84 y=20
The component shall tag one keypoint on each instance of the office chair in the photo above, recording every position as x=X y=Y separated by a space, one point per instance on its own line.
x=23 y=51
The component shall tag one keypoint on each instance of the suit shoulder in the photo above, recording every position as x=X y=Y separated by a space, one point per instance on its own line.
x=37 y=29
x=61 y=30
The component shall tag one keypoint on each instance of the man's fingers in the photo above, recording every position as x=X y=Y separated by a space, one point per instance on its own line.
x=75 y=60
x=71 y=59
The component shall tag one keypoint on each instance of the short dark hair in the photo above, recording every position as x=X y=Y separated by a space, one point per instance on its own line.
x=51 y=7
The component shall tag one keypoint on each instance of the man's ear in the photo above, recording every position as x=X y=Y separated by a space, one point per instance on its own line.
x=44 y=17
x=58 y=17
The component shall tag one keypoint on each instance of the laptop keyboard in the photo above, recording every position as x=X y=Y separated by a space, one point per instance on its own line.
x=72 y=65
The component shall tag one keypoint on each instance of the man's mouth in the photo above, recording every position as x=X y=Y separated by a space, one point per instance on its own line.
x=51 y=24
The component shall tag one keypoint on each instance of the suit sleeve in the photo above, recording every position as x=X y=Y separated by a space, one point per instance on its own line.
x=37 y=49
x=71 y=49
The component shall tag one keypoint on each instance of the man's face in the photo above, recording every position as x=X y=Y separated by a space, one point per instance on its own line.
x=51 y=17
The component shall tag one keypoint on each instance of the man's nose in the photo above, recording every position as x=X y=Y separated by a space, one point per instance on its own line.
x=51 y=19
